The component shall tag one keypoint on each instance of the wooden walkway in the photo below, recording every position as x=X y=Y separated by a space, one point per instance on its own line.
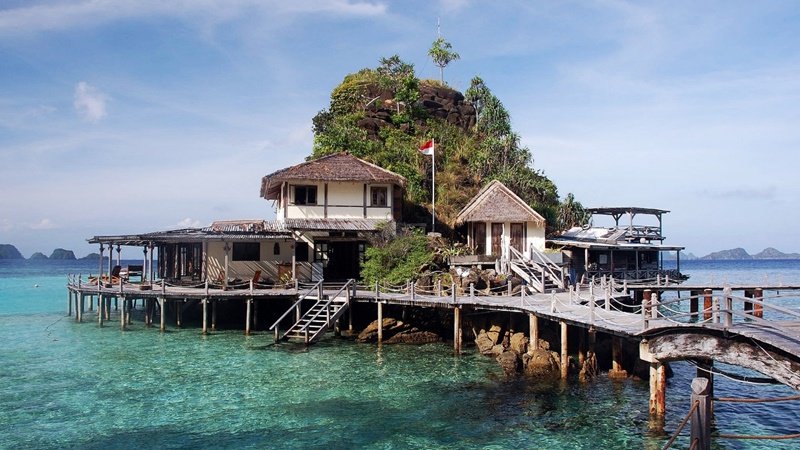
x=771 y=332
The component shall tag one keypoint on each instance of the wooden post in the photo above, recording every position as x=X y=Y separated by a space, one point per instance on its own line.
x=380 y=322
x=457 y=329
x=163 y=326
x=616 y=372
x=748 y=306
x=214 y=315
x=581 y=347
x=658 y=389
x=69 y=302
x=122 y=315
x=100 y=310
x=727 y=314
x=350 y=319
x=759 y=309
x=255 y=314
x=564 y=355
x=708 y=300
x=701 y=417
x=248 y=317
x=534 y=332
x=205 y=315
x=178 y=313
x=694 y=300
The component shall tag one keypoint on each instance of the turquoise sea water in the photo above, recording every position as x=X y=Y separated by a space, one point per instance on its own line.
x=69 y=385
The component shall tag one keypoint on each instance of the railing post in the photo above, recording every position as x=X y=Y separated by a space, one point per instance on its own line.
x=472 y=292
x=591 y=309
x=646 y=299
x=553 y=302
x=701 y=417
x=708 y=304
x=438 y=288
x=163 y=286
x=608 y=300
x=727 y=316
x=654 y=305
x=411 y=286
x=715 y=310
x=453 y=292
x=758 y=310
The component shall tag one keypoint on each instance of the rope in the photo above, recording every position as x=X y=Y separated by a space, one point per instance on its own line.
x=764 y=437
x=680 y=427
x=756 y=400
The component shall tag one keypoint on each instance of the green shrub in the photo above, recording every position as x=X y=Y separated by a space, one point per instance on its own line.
x=398 y=260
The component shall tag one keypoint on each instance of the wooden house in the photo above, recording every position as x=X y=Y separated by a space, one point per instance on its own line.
x=631 y=250
x=331 y=204
x=498 y=221
x=326 y=209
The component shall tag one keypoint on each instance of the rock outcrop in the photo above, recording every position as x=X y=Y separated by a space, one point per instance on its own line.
x=38 y=256
x=542 y=364
x=397 y=332
x=436 y=100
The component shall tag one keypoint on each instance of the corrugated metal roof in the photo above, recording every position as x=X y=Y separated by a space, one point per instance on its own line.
x=335 y=224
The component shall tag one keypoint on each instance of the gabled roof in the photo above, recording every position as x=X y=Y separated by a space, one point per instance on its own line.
x=337 y=167
x=497 y=203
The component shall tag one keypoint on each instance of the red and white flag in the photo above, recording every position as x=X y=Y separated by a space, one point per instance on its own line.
x=427 y=148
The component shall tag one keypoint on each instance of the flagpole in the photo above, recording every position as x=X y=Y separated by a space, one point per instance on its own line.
x=433 y=187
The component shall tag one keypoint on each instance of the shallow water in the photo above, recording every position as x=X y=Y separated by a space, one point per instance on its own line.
x=64 y=384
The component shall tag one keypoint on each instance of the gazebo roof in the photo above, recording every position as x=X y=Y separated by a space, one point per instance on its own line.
x=337 y=167
x=497 y=203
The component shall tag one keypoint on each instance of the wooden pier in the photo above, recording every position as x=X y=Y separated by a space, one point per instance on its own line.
x=750 y=330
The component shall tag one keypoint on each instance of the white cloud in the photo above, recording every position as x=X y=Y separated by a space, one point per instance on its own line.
x=67 y=15
x=44 y=224
x=90 y=102
x=189 y=223
x=6 y=225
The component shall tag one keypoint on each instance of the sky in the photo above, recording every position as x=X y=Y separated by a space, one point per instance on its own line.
x=130 y=116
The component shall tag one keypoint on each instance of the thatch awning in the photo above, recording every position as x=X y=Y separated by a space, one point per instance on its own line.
x=497 y=203
x=337 y=167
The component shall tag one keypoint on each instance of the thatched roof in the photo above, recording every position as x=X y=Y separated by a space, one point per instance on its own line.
x=497 y=203
x=337 y=167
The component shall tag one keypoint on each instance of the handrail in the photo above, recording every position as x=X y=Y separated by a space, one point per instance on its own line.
x=325 y=308
x=327 y=303
x=291 y=308
x=542 y=263
x=680 y=427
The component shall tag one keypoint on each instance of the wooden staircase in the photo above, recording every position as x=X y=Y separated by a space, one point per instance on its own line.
x=311 y=325
x=540 y=274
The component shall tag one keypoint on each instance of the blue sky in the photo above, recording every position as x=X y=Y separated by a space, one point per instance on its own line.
x=132 y=116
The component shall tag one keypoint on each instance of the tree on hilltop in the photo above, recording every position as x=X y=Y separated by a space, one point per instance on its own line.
x=442 y=54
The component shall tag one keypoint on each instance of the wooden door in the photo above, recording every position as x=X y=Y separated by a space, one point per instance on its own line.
x=479 y=237
x=518 y=237
x=497 y=239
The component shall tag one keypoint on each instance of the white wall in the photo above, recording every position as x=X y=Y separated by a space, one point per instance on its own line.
x=345 y=201
x=534 y=237
x=268 y=264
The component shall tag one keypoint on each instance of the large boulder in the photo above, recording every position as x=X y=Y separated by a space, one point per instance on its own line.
x=494 y=333
x=542 y=364
x=510 y=362
x=484 y=343
x=391 y=327
x=519 y=343
x=414 y=336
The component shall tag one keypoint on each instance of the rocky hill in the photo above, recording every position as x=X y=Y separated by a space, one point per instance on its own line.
x=741 y=254
x=8 y=251
x=38 y=256
x=62 y=255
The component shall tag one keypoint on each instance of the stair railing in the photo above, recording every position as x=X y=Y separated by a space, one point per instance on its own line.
x=327 y=308
x=296 y=306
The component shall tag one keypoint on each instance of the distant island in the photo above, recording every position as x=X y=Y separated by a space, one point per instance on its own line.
x=740 y=253
x=8 y=251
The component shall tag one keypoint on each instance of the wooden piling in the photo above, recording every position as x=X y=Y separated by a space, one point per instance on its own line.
x=100 y=312
x=79 y=309
x=758 y=311
x=214 y=315
x=122 y=315
x=701 y=417
x=457 y=329
x=658 y=389
x=248 y=316
x=163 y=326
x=534 y=332
x=708 y=301
x=748 y=306
x=564 y=347
x=205 y=315
x=616 y=372
x=380 y=322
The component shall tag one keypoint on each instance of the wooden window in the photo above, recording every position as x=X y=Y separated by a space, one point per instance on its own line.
x=246 y=251
x=321 y=253
x=379 y=195
x=479 y=237
x=305 y=195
